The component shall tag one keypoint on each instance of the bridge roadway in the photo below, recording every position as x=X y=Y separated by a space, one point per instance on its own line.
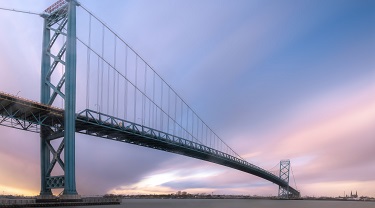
x=28 y=115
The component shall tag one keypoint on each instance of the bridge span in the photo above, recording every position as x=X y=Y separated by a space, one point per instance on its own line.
x=28 y=115
x=122 y=86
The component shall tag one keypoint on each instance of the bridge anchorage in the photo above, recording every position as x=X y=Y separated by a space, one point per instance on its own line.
x=164 y=125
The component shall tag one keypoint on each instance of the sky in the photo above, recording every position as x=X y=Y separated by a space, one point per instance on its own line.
x=274 y=79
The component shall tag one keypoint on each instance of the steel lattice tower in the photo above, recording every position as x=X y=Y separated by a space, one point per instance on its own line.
x=284 y=175
x=59 y=19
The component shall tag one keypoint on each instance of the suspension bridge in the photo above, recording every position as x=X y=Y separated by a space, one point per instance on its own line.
x=123 y=97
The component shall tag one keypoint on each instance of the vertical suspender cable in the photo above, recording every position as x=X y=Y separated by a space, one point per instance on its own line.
x=113 y=92
x=118 y=94
x=154 y=116
x=161 y=106
x=143 y=97
x=206 y=136
x=108 y=72
x=175 y=115
x=168 y=116
x=197 y=130
x=149 y=102
x=187 y=121
x=218 y=143
x=182 y=113
x=192 y=126
x=126 y=84
x=97 y=88
x=149 y=113
x=114 y=79
x=135 y=89
x=102 y=68
x=210 y=139
x=221 y=146
x=202 y=133
x=88 y=68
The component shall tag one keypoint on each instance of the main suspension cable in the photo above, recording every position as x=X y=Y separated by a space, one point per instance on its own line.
x=20 y=11
x=271 y=169
x=137 y=55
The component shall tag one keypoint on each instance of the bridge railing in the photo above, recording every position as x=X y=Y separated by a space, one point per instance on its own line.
x=119 y=124
x=25 y=114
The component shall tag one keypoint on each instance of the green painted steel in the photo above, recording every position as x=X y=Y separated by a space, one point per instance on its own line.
x=44 y=98
x=70 y=102
x=59 y=19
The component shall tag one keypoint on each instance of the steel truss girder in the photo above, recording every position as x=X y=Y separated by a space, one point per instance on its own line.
x=26 y=115
x=109 y=127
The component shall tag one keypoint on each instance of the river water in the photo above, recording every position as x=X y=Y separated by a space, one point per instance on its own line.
x=236 y=203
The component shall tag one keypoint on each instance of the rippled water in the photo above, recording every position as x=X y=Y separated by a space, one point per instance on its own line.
x=236 y=203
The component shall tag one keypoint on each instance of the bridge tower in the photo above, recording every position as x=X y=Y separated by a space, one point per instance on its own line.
x=284 y=175
x=59 y=20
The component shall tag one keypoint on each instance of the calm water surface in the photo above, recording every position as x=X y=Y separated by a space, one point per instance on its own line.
x=234 y=203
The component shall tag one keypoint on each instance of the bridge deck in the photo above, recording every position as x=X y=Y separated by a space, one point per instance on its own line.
x=28 y=115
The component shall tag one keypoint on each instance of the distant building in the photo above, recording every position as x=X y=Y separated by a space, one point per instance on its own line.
x=353 y=195
x=181 y=193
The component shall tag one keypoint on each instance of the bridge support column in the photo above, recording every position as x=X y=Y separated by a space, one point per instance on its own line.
x=44 y=98
x=284 y=175
x=60 y=19
x=70 y=104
